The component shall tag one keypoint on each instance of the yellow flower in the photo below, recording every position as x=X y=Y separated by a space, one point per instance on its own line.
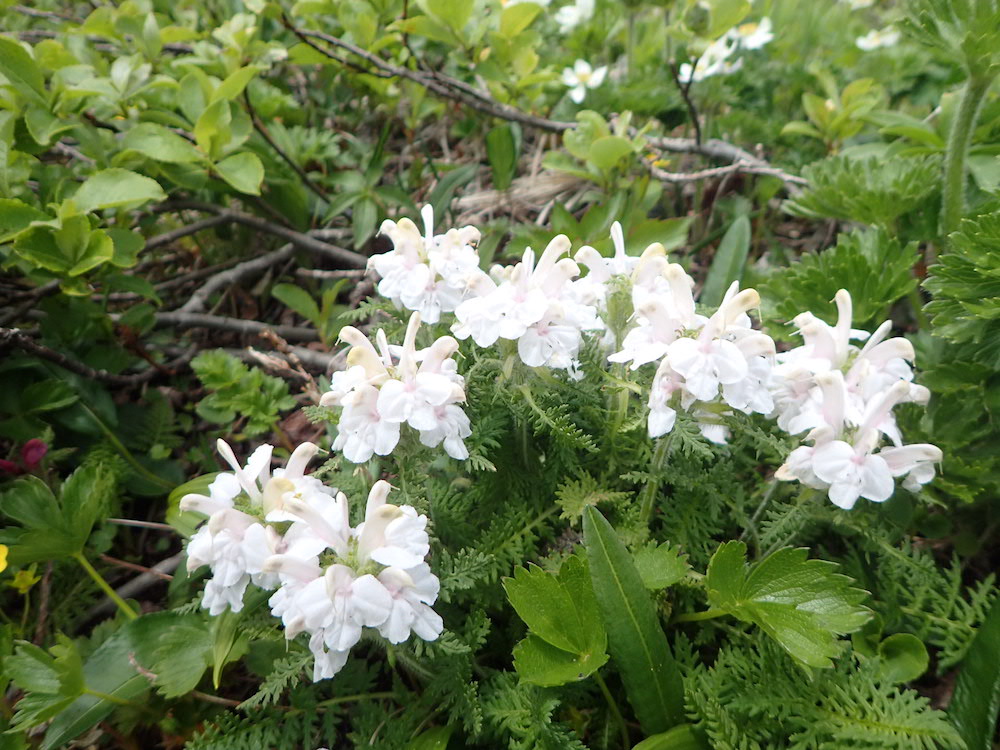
x=3 y=557
x=24 y=580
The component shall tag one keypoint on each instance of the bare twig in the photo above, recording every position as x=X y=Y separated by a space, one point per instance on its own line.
x=138 y=568
x=14 y=337
x=141 y=524
x=198 y=301
x=308 y=357
x=137 y=585
x=43 y=604
x=201 y=320
x=173 y=235
x=740 y=166
x=685 y=90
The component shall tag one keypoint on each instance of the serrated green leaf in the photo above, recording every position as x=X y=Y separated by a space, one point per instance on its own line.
x=548 y=610
x=635 y=638
x=802 y=604
x=661 y=565
x=541 y=663
x=115 y=188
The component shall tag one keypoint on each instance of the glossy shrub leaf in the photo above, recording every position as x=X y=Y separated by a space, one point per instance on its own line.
x=802 y=604
x=727 y=265
x=244 y=172
x=683 y=737
x=975 y=705
x=607 y=151
x=661 y=565
x=18 y=67
x=115 y=188
x=567 y=641
x=161 y=144
x=16 y=216
x=298 y=299
x=636 y=640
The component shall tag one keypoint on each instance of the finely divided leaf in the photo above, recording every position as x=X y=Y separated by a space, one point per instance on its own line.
x=800 y=603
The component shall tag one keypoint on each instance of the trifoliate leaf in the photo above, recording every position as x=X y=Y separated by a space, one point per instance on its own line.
x=801 y=603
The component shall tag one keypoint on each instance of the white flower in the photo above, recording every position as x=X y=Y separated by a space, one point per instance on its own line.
x=412 y=592
x=852 y=471
x=876 y=39
x=570 y=16
x=714 y=61
x=751 y=35
x=581 y=77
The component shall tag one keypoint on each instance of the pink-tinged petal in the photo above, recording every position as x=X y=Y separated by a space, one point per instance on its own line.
x=33 y=452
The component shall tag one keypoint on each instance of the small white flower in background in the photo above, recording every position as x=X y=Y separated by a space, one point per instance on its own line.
x=570 y=16
x=382 y=390
x=714 y=61
x=581 y=77
x=752 y=35
x=859 y=4
x=877 y=39
x=377 y=578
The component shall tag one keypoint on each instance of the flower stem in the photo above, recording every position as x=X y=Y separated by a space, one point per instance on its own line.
x=959 y=140
x=613 y=708
x=105 y=587
x=708 y=614
x=648 y=495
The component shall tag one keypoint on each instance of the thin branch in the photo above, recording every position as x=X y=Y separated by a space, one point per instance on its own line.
x=137 y=585
x=14 y=337
x=198 y=301
x=168 y=238
x=182 y=320
x=685 y=90
x=742 y=166
x=138 y=568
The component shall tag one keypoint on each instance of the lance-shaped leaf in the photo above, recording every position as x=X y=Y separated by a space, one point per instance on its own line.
x=803 y=604
x=567 y=641
x=636 y=640
x=976 y=703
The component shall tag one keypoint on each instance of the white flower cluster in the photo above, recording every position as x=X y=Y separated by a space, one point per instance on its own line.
x=332 y=580
x=715 y=60
x=384 y=388
x=843 y=396
x=708 y=366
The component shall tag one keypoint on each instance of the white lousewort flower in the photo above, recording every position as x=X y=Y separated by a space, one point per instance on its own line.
x=843 y=396
x=387 y=387
x=425 y=272
x=581 y=77
x=374 y=576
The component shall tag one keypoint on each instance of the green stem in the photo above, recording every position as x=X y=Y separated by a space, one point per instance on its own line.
x=613 y=708
x=126 y=454
x=708 y=614
x=959 y=140
x=648 y=495
x=110 y=698
x=354 y=698
x=105 y=587
x=751 y=527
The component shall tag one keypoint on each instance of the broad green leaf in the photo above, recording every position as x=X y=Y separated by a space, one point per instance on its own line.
x=448 y=185
x=299 y=300
x=502 y=148
x=363 y=220
x=18 y=67
x=541 y=663
x=567 y=641
x=433 y=739
x=114 y=188
x=727 y=266
x=182 y=655
x=453 y=13
x=112 y=670
x=186 y=522
x=99 y=250
x=671 y=233
x=16 y=216
x=903 y=658
x=423 y=26
x=228 y=642
x=590 y=127
x=244 y=172
x=127 y=246
x=661 y=565
x=802 y=604
x=975 y=704
x=516 y=18
x=606 y=152
x=682 y=737
x=44 y=126
x=161 y=144
x=725 y=14
x=636 y=640
x=213 y=131
x=235 y=83
x=47 y=395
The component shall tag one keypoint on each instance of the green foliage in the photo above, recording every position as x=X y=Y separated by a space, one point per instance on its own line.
x=567 y=640
x=660 y=565
x=872 y=191
x=872 y=265
x=238 y=390
x=976 y=703
x=800 y=603
x=635 y=639
x=966 y=304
